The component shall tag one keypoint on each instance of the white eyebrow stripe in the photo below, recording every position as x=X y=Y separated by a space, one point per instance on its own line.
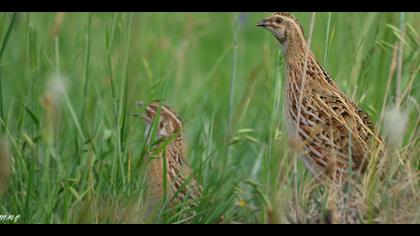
x=164 y=110
x=151 y=110
x=173 y=116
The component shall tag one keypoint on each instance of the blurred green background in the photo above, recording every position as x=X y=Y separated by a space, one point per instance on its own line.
x=70 y=82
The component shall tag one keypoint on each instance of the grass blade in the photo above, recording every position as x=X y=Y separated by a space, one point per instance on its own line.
x=4 y=42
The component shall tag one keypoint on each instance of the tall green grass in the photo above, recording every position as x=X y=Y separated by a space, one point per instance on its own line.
x=69 y=85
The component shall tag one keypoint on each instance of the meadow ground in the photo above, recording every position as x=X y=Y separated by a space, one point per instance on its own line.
x=70 y=148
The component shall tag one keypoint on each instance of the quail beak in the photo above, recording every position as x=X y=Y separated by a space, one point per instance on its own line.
x=143 y=116
x=141 y=104
x=264 y=23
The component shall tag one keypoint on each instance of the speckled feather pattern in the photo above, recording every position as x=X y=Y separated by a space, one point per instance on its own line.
x=331 y=127
x=180 y=182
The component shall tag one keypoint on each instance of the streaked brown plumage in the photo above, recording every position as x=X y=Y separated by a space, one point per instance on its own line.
x=334 y=131
x=170 y=145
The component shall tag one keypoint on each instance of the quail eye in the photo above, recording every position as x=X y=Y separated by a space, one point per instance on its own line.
x=161 y=125
x=278 y=20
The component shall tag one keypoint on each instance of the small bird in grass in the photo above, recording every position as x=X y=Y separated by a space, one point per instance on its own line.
x=336 y=135
x=170 y=146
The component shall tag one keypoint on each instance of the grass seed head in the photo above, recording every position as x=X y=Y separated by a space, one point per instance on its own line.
x=395 y=124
